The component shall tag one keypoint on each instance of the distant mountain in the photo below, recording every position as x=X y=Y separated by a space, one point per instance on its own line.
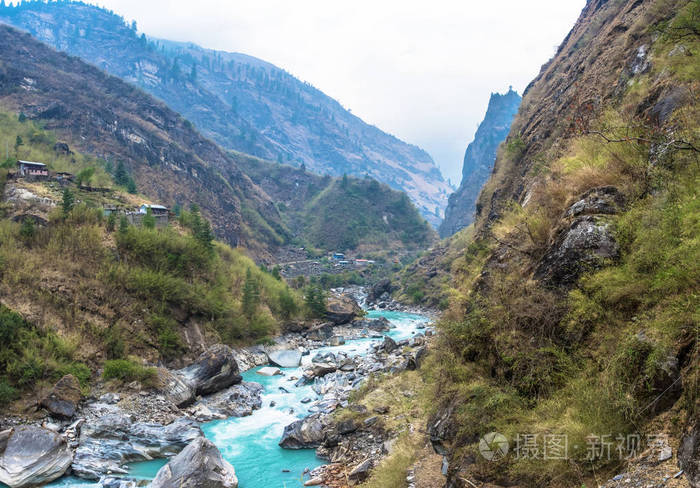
x=105 y=117
x=344 y=213
x=241 y=102
x=478 y=161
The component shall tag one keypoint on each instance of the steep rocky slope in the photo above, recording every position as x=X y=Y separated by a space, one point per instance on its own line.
x=572 y=325
x=478 y=161
x=341 y=214
x=241 y=102
x=105 y=117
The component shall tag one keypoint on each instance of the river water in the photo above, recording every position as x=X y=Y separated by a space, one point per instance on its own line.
x=250 y=443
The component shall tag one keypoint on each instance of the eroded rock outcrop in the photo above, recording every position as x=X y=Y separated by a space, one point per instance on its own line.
x=199 y=465
x=213 y=371
x=586 y=244
x=32 y=456
x=109 y=442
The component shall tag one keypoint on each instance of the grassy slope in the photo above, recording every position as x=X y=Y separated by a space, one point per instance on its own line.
x=341 y=213
x=516 y=357
x=87 y=293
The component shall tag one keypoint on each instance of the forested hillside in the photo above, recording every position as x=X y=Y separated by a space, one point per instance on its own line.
x=80 y=287
x=108 y=118
x=344 y=213
x=241 y=102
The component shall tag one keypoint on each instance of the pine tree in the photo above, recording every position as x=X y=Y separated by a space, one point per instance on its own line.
x=204 y=234
x=22 y=118
x=18 y=142
x=121 y=176
x=251 y=295
x=123 y=225
x=131 y=186
x=68 y=201
x=111 y=222
x=148 y=221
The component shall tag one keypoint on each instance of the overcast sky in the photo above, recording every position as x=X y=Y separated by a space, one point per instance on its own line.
x=421 y=70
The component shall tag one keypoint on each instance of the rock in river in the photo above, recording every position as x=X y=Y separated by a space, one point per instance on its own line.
x=32 y=456
x=305 y=433
x=63 y=399
x=342 y=309
x=286 y=358
x=199 y=465
x=110 y=441
x=213 y=371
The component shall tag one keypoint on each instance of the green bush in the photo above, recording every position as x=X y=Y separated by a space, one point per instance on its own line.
x=7 y=393
x=126 y=370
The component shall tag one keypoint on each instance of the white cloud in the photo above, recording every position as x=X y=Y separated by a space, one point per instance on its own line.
x=420 y=70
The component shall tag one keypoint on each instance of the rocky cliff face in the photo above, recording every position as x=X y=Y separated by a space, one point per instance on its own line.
x=108 y=118
x=589 y=219
x=241 y=102
x=478 y=161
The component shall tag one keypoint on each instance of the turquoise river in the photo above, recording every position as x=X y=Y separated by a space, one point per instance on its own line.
x=250 y=443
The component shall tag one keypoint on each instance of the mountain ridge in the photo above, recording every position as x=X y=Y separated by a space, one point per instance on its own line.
x=240 y=102
x=479 y=159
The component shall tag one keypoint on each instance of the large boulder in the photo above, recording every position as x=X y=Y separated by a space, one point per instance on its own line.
x=379 y=289
x=33 y=456
x=109 y=442
x=306 y=433
x=320 y=332
x=174 y=387
x=236 y=401
x=199 y=465
x=389 y=344
x=285 y=358
x=689 y=454
x=342 y=309
x=586 y=244
x=62 y=401
x=213 y=371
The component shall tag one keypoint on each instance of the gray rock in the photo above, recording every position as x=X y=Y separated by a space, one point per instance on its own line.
x=32 y=456
x=305 y=433
x=236 y=401
x=174 y=387
x=285 y=358
x=346 y=427
x=361 y=471
x=584 y=245
x=110 y=441
x=689 y=454
x=389 y=344
x=601 y=200
x=378 y=290
x=213 y=371
x=62 y=401
x=199 y=465
x=336 y=340
x=268 y=371
x=319 y=370
x=110 y=398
